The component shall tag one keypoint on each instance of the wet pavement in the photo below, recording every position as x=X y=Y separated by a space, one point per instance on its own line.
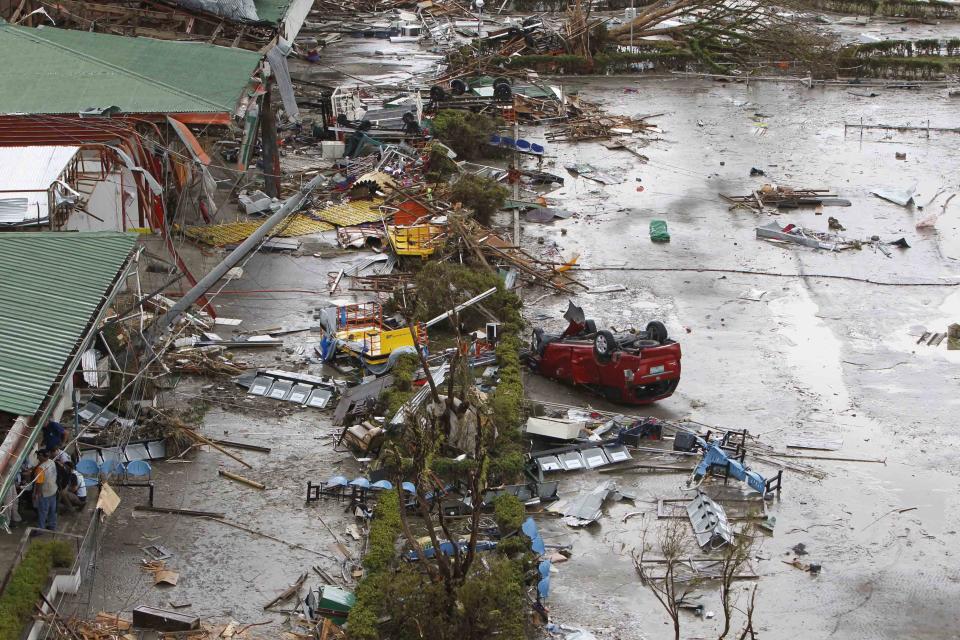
x=817 y=355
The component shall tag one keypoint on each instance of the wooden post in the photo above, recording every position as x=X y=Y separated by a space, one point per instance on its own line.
x=268 y=136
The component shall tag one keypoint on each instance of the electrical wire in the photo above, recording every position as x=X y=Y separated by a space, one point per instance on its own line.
x=156 y=355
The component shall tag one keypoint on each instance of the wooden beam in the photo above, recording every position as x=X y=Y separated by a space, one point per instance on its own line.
x=241 y=479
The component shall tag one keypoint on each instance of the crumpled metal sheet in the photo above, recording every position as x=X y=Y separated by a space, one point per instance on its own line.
x=278 y=65
x=241 y=10
x=709 y=520
x=219 y=235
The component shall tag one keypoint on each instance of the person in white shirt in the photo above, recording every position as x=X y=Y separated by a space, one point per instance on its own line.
x=75 y=493
x=59 y=456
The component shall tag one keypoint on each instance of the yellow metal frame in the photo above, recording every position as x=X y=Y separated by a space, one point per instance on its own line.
x=417 y=240
x=379 y=343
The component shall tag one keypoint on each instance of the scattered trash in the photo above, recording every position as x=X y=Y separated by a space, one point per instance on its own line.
x=658 y=231
x=783 y=197
x=903 y=198
x=753 y=295
x=587 y=507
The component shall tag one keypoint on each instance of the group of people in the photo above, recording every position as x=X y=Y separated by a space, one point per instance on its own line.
x=52 y=482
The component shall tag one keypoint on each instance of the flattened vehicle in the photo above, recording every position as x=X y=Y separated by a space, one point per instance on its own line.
x=628 y=368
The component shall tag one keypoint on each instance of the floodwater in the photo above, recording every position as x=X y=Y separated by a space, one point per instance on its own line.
x=808 y=354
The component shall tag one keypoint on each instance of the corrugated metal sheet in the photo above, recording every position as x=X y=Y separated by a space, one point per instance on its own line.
x=350 y=213
x=61 y=71
x=52 y=285
x=219 y=235
x=272 y=11
x=33 y=169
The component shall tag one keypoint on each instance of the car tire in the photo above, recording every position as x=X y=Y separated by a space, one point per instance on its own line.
x=536 y=342
x=656 y=330
x=604 y=345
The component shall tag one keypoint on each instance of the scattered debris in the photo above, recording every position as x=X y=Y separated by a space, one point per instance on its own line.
x=709 y=520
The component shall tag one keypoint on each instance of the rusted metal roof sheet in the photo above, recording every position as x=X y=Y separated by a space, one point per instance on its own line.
x=53 y=285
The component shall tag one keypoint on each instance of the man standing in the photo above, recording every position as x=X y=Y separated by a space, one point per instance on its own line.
x=45 y=491
x=53 y=435
x=75 y=493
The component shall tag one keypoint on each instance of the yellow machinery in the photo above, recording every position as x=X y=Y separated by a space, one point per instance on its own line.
x=417 y=240
x=361 y=332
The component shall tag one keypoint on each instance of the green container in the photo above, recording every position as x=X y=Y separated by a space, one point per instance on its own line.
x=658 y=231
x=336 y=599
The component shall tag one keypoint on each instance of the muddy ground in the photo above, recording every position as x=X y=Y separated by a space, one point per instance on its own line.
x=814 y=355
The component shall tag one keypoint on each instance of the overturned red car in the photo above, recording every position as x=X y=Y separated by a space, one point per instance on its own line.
x=628 y=368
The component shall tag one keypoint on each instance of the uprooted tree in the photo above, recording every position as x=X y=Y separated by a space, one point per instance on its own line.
x=723 y=36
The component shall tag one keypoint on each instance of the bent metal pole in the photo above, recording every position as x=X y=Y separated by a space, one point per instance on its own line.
x=291 y=205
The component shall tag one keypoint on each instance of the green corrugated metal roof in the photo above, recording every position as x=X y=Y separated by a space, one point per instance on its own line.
x=61 y=71
x=272 y=11
x=52 y=284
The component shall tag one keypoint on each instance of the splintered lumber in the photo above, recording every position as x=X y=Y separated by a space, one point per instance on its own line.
x=289 y=592
x=241 y=479
x=193 y=435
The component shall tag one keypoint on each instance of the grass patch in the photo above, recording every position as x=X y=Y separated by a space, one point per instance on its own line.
x=28 y=579
x=385 y=527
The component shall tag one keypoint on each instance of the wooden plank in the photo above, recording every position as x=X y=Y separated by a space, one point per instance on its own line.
x=242 y=445
x=289 y=592
x=178 y=512
x=241 y=479
x=803 y=441
x=205 y=440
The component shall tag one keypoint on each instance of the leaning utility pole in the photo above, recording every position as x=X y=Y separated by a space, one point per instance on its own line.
x=291 y=205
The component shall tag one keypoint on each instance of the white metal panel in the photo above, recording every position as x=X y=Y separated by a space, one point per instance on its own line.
x=32 y=169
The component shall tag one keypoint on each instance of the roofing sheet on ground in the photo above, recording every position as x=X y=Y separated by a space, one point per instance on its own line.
x=351 y=213
x=53 y=285
x=62 y=71
x=219 y=235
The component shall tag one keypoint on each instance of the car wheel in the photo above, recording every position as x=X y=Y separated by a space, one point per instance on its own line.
x=656 y=330
x=604 y=344
x=536 y=342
